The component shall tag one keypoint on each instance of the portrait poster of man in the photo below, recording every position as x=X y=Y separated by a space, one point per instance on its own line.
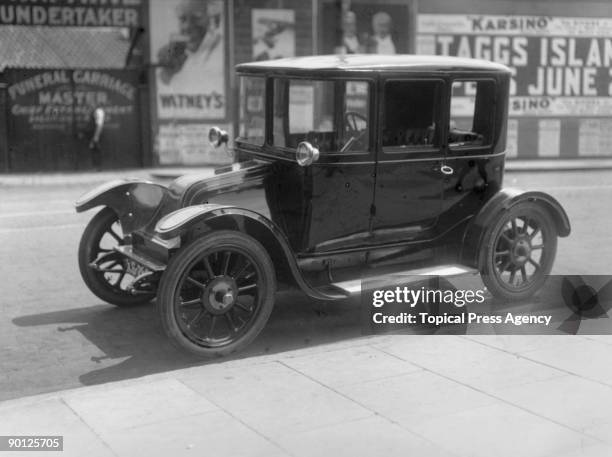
x=188 y=48
x=370 y=28
x=273 y=33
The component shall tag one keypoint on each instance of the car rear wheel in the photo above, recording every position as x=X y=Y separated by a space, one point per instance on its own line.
x=110 y=280
x=217 y=293
x=519 y=251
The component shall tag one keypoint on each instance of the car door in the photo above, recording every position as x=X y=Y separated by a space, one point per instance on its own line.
x=410 y=168
x=471 y=135
x=329 y=201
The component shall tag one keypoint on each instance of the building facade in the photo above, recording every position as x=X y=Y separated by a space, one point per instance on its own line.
x=560 y=53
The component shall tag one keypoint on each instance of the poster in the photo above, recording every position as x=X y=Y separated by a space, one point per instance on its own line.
x=188 y=49
x=561 y=66
x=595 y=137
x=549 y=137
x=512 y=139
x=273 y=33
x=371 y=28
x=188 y=144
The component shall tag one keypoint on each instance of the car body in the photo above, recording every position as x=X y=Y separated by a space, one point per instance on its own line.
x=351 y=166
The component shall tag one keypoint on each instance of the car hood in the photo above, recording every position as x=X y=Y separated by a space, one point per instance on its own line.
x=240 y=184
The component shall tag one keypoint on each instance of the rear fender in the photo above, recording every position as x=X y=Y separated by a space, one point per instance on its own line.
x=192 y=221
x=135 y=201
x=501 y=202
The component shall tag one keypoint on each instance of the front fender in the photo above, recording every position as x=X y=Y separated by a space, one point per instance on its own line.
x=495 y=207
x=135 y=201
x=180 y=222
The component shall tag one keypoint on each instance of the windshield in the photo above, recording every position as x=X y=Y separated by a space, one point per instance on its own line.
x=252 y=109
x=332 y=115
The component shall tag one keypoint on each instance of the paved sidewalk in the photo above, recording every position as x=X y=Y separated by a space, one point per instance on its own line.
x=527 y=396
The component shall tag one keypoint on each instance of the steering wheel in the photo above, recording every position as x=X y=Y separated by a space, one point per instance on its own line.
x=356 y=135
x=350 y=120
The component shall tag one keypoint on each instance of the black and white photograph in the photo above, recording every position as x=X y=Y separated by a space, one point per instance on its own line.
x=303 y=228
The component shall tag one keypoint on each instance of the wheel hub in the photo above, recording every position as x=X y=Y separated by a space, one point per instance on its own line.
x=520 y=251
x=220 y=295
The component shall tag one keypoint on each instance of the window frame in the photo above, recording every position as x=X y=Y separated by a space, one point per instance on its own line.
x=242 y=99
x=371 y=82
x=470 y=148
x=416 y=151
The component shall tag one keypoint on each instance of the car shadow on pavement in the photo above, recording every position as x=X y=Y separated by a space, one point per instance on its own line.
x=129 y=342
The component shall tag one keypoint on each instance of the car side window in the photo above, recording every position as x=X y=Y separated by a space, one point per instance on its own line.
x=410 y=112
x=332 y=115
x=471 y=116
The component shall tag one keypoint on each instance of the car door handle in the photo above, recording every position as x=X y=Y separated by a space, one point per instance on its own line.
x=446 y=170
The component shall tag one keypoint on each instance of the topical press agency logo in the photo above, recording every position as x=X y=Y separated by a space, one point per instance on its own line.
x=395 y=308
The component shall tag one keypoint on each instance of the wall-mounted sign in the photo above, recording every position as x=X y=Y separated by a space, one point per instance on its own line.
x=72 y=13
x=51 y=117
x=188 y=47
x=54 y=99
x=561 y=66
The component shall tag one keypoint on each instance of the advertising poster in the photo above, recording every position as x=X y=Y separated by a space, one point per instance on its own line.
x=188 y=49
x=549 y=137
x=188 y=144
x=370 y=28
x=561 y=65
x=273 y=33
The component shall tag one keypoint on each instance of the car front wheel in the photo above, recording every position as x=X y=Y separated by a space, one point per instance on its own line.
x=110 y=280
x=519 y=251
x=217 y=293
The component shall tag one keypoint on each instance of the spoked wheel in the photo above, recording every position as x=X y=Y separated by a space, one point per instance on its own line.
x=217 y=293
x=519 y=252
x=110 y=280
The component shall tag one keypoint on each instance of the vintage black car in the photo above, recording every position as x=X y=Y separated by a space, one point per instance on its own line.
x=351 y=167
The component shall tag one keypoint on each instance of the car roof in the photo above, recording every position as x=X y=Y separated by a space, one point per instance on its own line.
x=371 y=63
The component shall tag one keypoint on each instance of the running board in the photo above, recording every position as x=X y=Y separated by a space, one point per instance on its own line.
x=353 y=286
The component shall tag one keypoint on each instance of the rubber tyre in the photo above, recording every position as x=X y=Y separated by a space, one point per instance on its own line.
x=94 y=280
x=179 y=265
x=489 y=273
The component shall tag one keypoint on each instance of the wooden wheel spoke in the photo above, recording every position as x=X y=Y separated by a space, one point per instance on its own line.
x=226 y=261
x=119 y=279
x=501 y=253
x=230 y=322
x=538 y=246
x=209 y=270
x=240 y=272
x=196 y=283
x=242 y=306
x=514 y=227
x=115 y=235
x=524 y=273
x=197 y=319
x=247 y=287
x=512 y=277
x=534 y=233
x=534 y=263
x=211 y=329
x=188 y=303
